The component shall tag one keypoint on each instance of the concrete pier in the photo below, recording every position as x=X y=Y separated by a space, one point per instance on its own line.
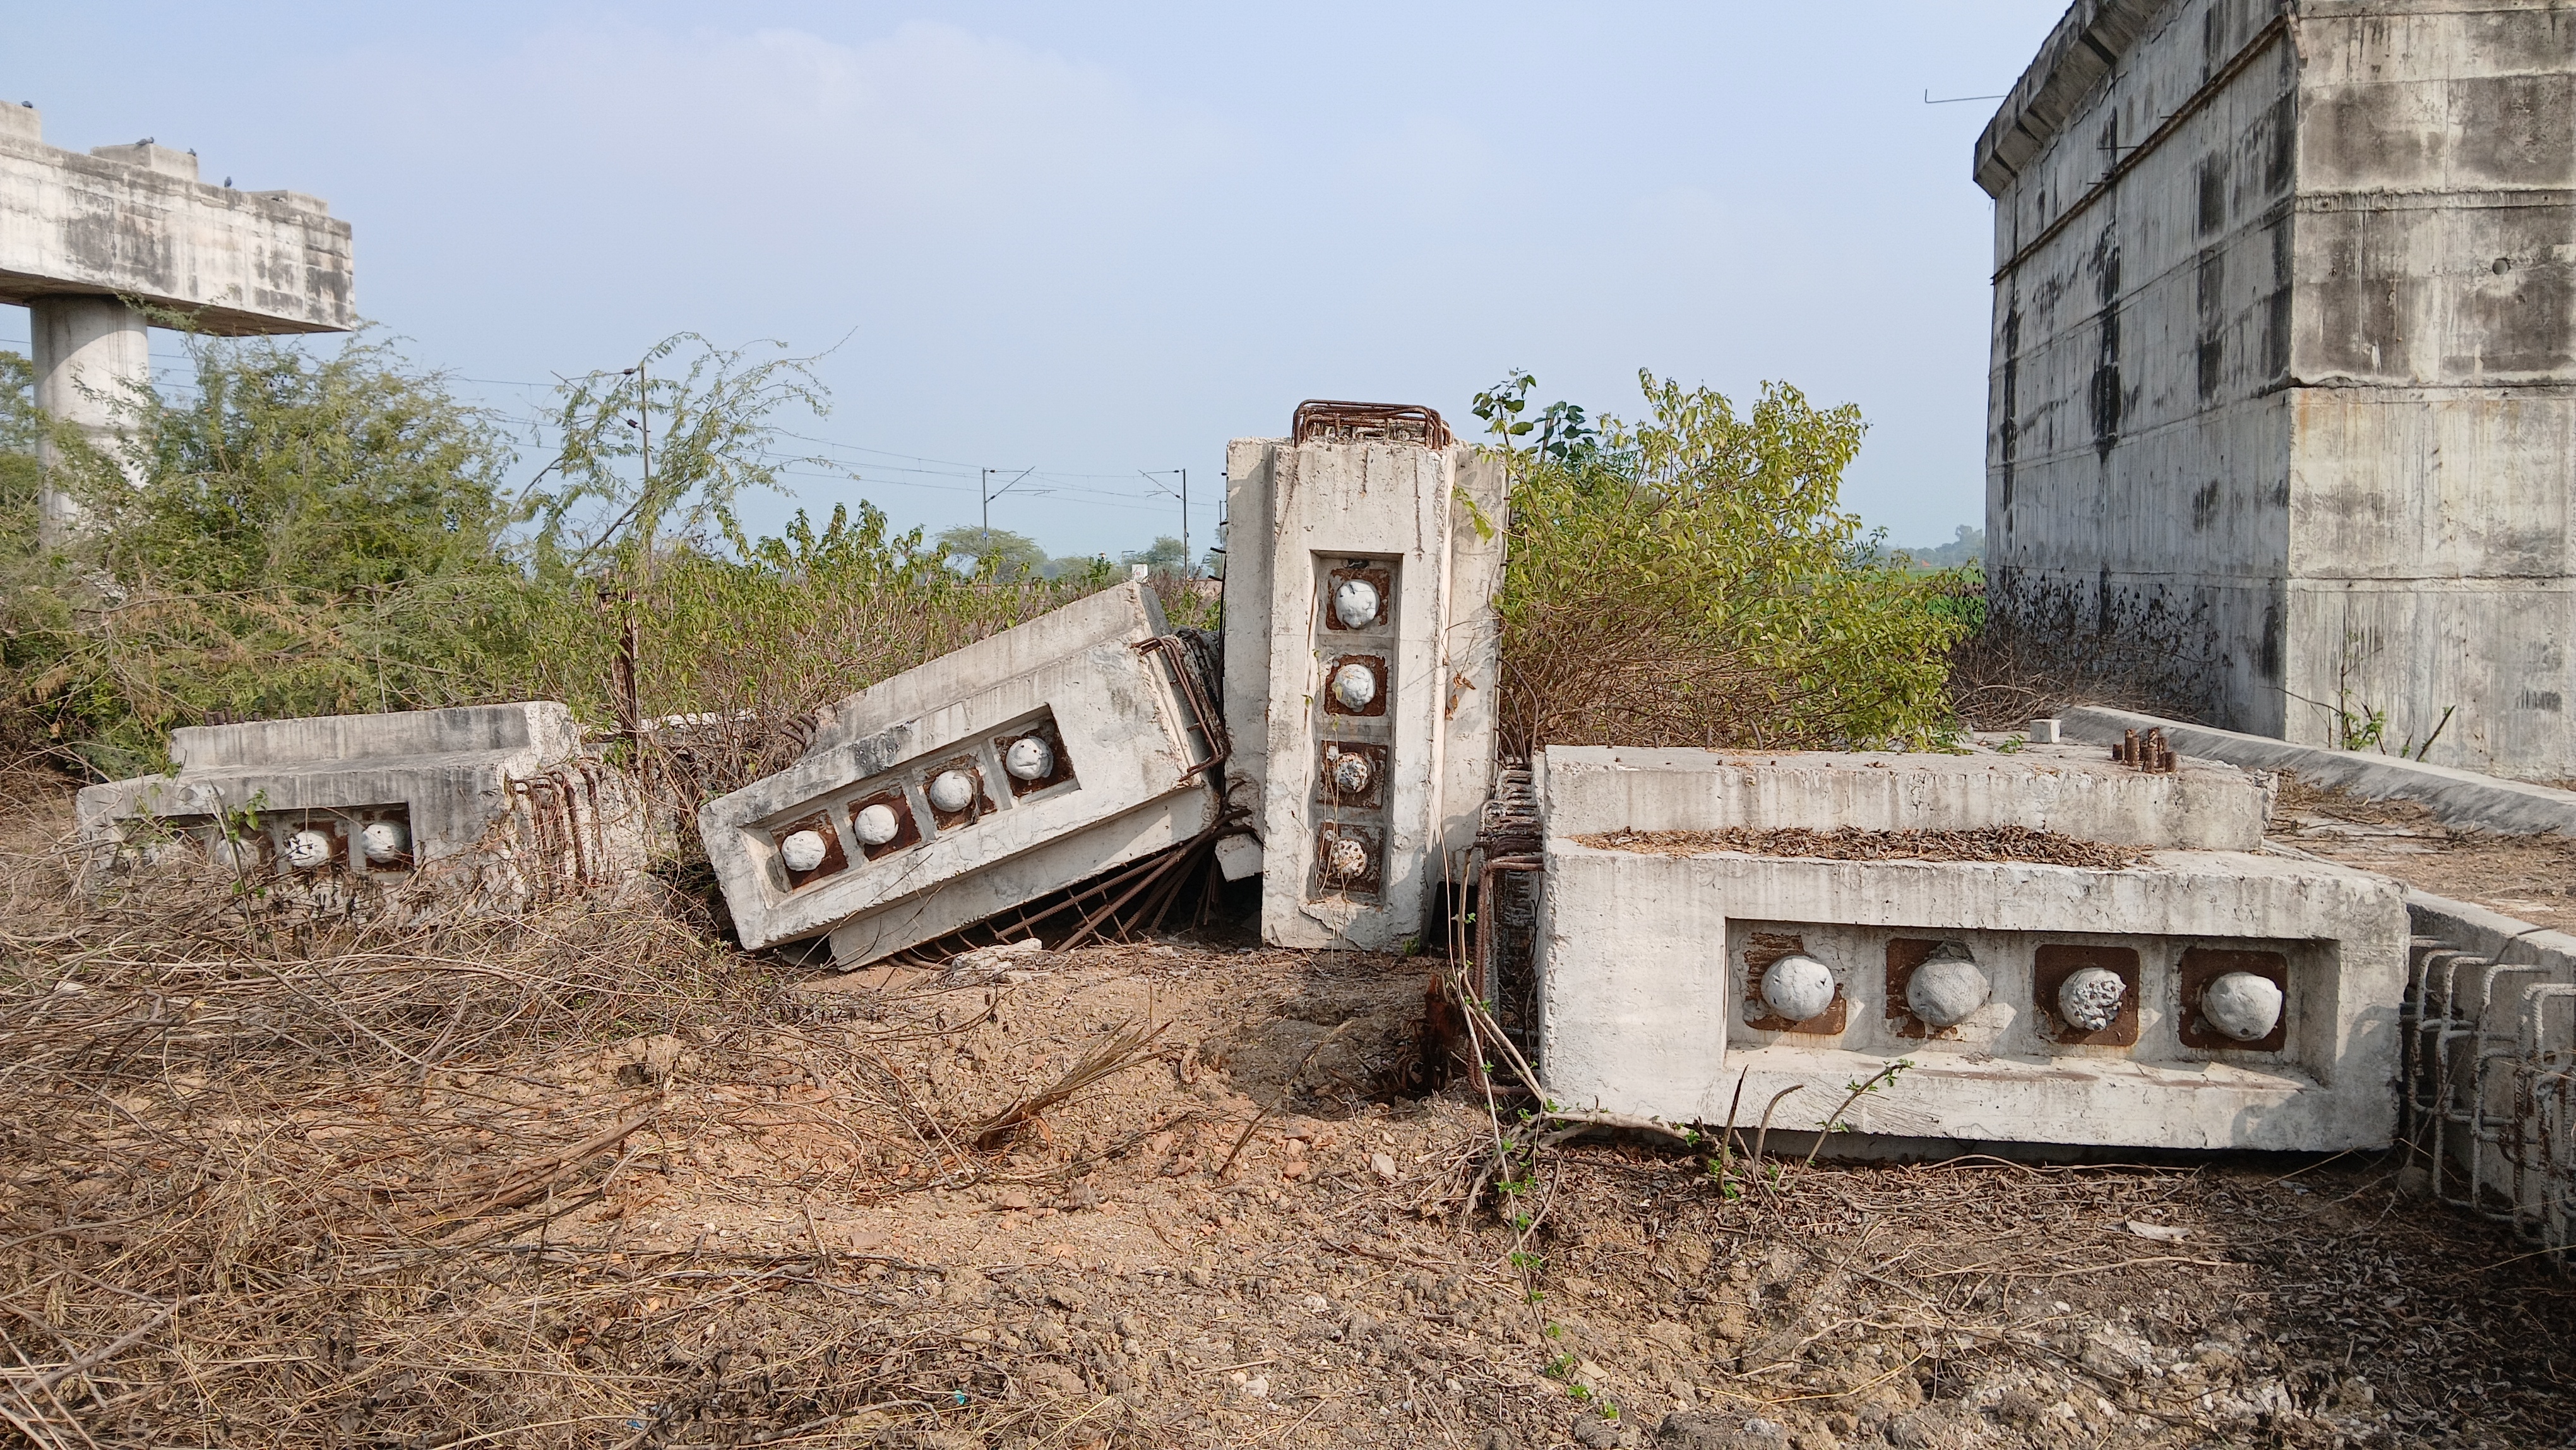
x=84 y=237
x=2281 y=362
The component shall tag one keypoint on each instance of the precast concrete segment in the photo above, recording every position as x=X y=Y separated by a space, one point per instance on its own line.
x=2072 y=790
x=1643 y=990
x=1361 y=674
x=383 y=798
x=2455 y=797
x=2281 y=363
x=1020 y=765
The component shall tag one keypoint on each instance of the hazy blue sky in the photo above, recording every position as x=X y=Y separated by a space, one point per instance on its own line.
x=1096 y=239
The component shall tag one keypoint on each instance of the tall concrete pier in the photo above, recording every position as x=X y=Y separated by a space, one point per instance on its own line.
x=2284 y=335
x=86 y=238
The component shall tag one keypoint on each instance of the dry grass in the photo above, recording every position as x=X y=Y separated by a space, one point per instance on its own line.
x=296 y=1186
x=1851 y=843
x=2004 y=676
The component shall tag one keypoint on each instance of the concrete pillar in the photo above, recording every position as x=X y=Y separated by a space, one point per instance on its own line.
x=88 y=351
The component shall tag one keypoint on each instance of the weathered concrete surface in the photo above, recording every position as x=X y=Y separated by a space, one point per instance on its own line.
x=1426 y=525
x=506 y=795
x=1650 y=968
x=2456 y=797
x=82 y=235
x=1130 y=780
x=2071 y=790
x=135 y=221
x=2282 y=346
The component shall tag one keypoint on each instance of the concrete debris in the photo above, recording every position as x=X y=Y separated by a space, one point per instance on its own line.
x=1019 y=766
x=1689 y=961
x=1360 y=664
x=1016 y=962
x=476 y=809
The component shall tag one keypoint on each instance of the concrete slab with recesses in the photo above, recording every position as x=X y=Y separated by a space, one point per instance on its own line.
x=1363 y=554
x=2206 y=996
x=485 y=805
x=1018 y=766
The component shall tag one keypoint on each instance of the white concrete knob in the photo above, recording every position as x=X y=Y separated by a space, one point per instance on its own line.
x=231 y=855
x=308 y=851
x=1029 y=758
x=1351 y=773
x=1355 y=685
x=2242 y=1005
x=1945 y=990
x=802 y=850
x=2089 y=998
x=384 y=841
x=1797 y=988
x=877 y=824
x=1355 y=603
x=952 y=790
x=1345 y=859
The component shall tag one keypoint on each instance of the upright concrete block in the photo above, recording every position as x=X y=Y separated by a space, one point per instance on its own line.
x=487 y=805
x=1018 y=766
x=1361 y=660
x=2205 y=997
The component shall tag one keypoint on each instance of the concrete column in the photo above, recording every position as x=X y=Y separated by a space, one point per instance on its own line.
x=88 y=351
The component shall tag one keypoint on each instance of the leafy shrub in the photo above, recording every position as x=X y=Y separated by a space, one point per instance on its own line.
x=1689 y=580
x=310 y=535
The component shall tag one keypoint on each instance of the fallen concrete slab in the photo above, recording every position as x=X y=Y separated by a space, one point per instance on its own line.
x=480 y=807
x=2455 y=797
x=2203 y=996
x=1361 y=662
x=1021 y=765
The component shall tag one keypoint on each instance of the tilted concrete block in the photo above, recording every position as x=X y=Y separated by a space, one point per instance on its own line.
x=486 y=805
x=1018 y=766
x=2202 y=998
x=1360 y=673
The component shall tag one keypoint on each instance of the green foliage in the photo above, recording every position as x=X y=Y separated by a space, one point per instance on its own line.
x=1690 y=580
x=1967 y=547
x=662 y=450
x=307 y=534
x=303 y=535
x=1166 y=555
x=1000 y=552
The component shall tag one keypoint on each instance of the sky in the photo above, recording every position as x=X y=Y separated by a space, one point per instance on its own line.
x=1095 y=242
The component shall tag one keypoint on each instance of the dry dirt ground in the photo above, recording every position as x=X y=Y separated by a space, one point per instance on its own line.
x=2530 y=878
x=593 y=1179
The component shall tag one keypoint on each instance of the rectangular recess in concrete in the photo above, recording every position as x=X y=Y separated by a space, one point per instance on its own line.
x=1651 y=962
x=1364 y=745
x=506 y=795
x=956 y=835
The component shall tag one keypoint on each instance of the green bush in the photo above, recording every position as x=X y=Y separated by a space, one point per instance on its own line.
x=1689 y=580
x=312 y=535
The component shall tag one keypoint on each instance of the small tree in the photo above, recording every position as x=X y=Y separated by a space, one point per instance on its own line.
x=658 y=453
x=1166 y=555
x=1690 y=580
x=996 y=553
x=310 y=533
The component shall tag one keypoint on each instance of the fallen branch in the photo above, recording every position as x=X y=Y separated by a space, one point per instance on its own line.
x=1122 y=1050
